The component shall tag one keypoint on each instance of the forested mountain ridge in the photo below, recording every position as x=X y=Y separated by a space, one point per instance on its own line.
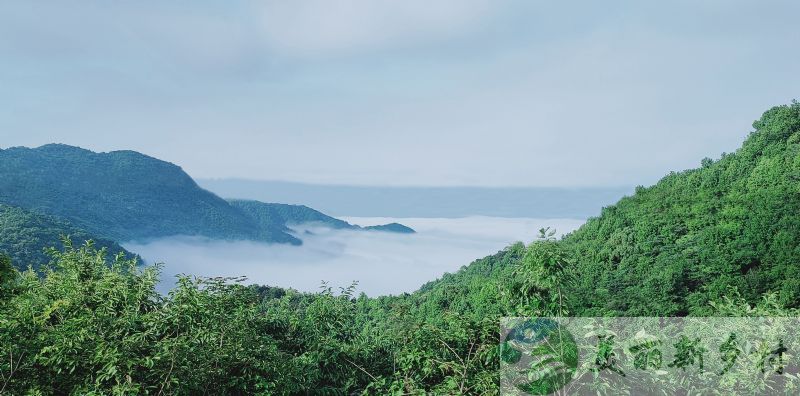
x=25 y=235
x=695 y=236
x=121 y=195
x=673 y=247
x=125 y=195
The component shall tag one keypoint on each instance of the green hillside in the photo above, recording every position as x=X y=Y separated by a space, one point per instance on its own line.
x=121 y=195
x=125 y=195
x=695 y=236
x=673 y=247
x=24 y=236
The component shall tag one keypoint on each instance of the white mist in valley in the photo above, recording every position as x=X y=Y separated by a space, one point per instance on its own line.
x=383 y=263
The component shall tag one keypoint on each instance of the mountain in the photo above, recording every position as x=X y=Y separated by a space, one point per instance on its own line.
x=729 y=227
x=25 y=235
x=121 y=195
x=285 y=216
x=673 y=247
x=391 y=227
x=124 y=195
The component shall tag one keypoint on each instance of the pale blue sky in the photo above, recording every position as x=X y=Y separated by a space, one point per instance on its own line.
x=413 y=92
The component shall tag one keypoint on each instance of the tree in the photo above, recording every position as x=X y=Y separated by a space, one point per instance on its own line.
x=541 y=277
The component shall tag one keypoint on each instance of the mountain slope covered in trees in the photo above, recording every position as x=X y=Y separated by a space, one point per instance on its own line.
x=671 y=248
x=121 y=195
x=125 y=195
x=25 y=235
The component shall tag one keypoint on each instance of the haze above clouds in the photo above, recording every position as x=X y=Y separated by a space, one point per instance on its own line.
x=383 y=263
x=467 y=92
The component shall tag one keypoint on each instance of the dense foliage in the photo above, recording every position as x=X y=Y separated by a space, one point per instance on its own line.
x=93 y=327
x=24 y=236
x=89 y=326
x=673 y=247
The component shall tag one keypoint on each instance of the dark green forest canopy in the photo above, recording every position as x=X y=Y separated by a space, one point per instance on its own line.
x=24 y=237
x=125 y=195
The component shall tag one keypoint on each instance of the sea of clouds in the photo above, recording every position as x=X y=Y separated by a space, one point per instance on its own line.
x=383 y=263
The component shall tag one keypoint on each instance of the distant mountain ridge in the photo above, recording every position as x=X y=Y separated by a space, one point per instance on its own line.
x=391 y=227
x=121 y=195
x=284 y=215
x=431 y=202
x=125 y=196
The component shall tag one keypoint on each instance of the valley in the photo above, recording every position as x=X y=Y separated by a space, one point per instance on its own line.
x=405 y=198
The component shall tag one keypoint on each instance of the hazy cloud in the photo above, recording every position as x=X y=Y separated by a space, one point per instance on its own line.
x=316 y=28
x=382 y=263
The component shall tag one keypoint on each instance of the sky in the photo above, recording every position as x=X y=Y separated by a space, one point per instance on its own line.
x=405 y=93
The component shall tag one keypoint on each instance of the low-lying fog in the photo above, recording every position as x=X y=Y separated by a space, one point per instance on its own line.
x=382 y=263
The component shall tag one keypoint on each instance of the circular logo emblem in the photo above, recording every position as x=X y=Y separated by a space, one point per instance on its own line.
x=537 y=357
